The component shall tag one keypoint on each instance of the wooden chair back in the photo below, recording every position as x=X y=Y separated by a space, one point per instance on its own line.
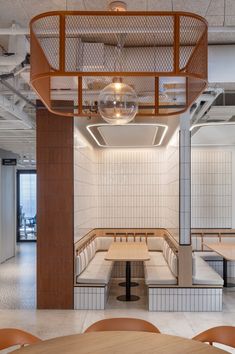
x=122 y=324
x=221 y=334
x=12 y=336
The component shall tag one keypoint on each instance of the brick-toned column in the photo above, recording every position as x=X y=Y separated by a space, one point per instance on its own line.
x=54 y=210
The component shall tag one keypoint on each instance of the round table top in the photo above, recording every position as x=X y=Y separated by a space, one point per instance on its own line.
x=120 y=343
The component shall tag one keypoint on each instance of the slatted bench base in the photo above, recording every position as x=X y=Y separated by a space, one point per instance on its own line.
x=90 y=298
x=185 y=299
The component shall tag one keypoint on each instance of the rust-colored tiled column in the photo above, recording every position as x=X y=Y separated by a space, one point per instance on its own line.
x=54 y=210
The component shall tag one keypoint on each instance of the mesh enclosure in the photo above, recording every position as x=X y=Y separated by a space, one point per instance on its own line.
x=76 y=54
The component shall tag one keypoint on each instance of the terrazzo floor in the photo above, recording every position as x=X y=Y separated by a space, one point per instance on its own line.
x=17 y=306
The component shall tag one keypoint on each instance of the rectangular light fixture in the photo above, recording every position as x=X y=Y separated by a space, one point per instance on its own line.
x=141 y=135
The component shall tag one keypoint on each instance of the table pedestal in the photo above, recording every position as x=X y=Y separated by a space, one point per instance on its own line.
x=128 y=296
x=225 y=275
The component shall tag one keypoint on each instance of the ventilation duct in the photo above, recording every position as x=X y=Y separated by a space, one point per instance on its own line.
x=16 y=53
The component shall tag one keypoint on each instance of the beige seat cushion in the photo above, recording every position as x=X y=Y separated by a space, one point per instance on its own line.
x=159 y=275
x=99 y=259
x=203 y=274
x=209 y=255
x=156 y=259
x=95 y=274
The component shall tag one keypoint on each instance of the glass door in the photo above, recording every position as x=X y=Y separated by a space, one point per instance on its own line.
x=26 y=205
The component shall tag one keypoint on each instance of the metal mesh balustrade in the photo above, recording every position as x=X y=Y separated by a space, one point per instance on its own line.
x=163 y=56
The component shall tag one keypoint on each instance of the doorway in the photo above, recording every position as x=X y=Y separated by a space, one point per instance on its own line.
x=26 y=206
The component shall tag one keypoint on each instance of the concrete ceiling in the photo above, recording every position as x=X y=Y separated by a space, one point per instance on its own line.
x=219 y=13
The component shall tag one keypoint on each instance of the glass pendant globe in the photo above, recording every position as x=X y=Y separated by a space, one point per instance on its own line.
x=118 y=103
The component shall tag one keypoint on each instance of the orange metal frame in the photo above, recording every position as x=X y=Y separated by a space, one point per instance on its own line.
x=42 y=72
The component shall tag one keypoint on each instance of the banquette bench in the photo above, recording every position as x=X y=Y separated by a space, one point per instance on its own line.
x=202 y=236
x=93 y=273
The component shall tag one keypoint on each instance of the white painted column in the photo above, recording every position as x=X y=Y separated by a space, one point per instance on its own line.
x=185 y=179
x=185 y=248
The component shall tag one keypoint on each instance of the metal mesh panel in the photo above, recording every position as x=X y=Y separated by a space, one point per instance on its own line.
x=191 y=30
x=117 y=44
x=142 y=48
x=46 y=30
x=197 y=64
x=195 y=86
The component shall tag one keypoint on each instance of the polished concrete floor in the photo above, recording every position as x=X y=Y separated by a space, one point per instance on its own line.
x=17 y=306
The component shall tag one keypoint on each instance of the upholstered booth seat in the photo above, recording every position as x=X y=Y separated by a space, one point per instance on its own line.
x=159 y=275
x=162 y=268
x=203 y=274
x=100 y=258
x=156 y=259
x=209 y=255
x=96 y=273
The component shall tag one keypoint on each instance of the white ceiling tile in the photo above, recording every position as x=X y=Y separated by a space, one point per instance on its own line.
x=96 y=5
x=35 y=7
x=137 y=5
x=215 y=20
x=75 y=5
x=229 y=20
x=159 y=5
x=195 y=6
x=12 y=11
x=230 y=7
x=216 y=7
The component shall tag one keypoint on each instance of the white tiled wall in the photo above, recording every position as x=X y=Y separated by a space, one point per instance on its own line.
x=125 y=188
x=170 y=211
x=90 y=298
x=85 y=188
x=185 y=299
x=130 y=192
x=211 y=197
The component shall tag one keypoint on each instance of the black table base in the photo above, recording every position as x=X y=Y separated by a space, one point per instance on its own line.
x=128 y=296
x=125 y=298
x=133 y=284
x=225 y=275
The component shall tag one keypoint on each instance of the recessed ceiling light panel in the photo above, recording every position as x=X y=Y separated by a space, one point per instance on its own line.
x=128 y=136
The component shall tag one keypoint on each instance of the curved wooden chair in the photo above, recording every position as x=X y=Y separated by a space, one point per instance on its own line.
x=221 y=334
x=12 y=336
x=122 y=324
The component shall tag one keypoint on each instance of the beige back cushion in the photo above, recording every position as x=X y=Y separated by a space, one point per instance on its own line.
x=80 y=263
x=155 y=243
x=103 y=243
x=172 y=261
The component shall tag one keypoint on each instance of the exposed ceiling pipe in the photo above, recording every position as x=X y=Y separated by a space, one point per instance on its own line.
x=14 y=90
x=12 y=109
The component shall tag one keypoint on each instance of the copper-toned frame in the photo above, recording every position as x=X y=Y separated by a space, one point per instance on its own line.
x=42 y=72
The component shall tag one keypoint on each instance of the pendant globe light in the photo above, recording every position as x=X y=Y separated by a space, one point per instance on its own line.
x=118 y=103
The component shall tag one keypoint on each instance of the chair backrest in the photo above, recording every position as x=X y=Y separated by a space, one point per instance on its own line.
x=122 y=324
x=12 y=336
x=221 y=334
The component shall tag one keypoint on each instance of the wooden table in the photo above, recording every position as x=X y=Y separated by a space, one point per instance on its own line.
x=120 y=343
x=227 y=251
x=128 y=251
